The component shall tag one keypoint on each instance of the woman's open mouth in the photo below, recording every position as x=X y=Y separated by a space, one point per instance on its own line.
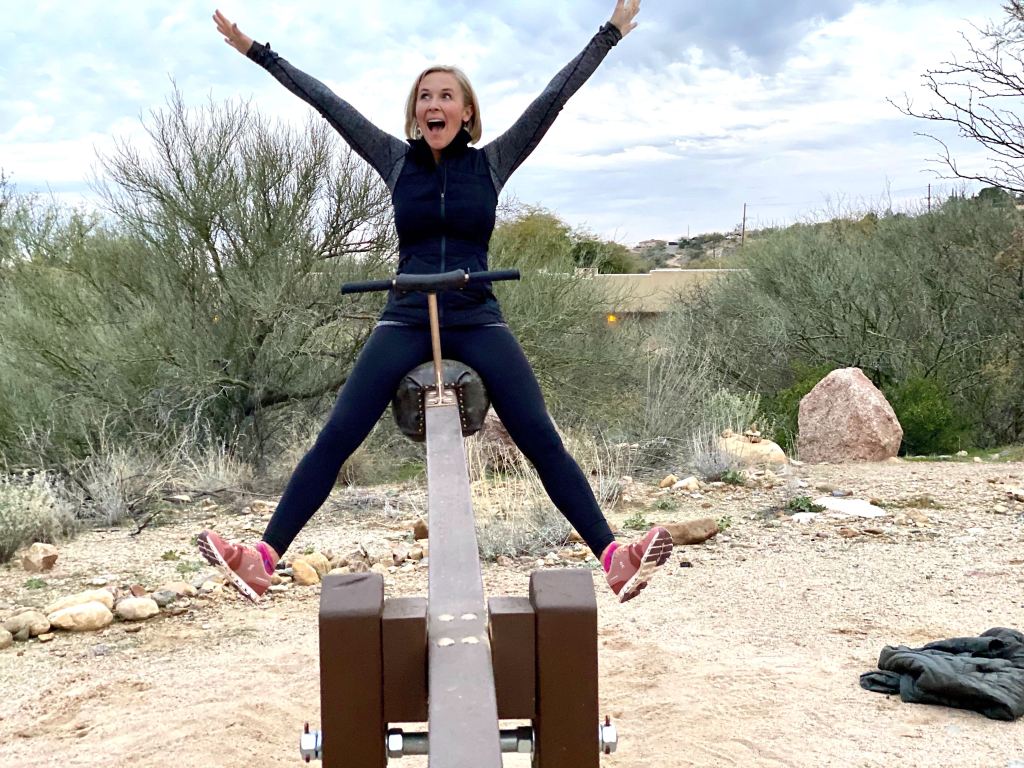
x=435 y=126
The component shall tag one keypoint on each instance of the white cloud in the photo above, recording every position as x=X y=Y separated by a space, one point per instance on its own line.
x=692 y=115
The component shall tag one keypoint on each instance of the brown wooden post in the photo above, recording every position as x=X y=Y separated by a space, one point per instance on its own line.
x=566 y=725
x=405 y=660
x=514 y=654
x=351 y=671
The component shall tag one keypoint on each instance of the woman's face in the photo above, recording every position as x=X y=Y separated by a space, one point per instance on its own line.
x=441 y=109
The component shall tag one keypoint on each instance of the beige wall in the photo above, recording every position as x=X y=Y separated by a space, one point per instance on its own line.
x=655 y=291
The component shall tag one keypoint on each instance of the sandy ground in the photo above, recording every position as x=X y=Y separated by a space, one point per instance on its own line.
x=749 y=657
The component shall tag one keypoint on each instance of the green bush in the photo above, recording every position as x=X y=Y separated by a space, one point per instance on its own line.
x=936 y=295
x=32 y=508
x=928 y=416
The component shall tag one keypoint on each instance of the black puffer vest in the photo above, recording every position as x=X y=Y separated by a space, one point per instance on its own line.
x=444 y=213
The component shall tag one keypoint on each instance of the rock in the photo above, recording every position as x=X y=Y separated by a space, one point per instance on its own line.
x=34 y=620
x=180 y=588
x=6 y=639
x=263 y=508
x=22 y=635
x=961 y=454
x=39 y=558
x=848 y=533
x=46 y=637
x=750 y=454
x=1001 y=509
x=846 y=418
x=338 y=571
x=82 y=617
x=304 y=574
x=668 y=481
x=400 y=553
x=420 y=530
x=164 y=597
x=379 y=568
x=316 y=559
x=692 y=531
x=977 y=459
x=505 y=561
x=848 y=507
x=376 y=551
x=359 y=566
x=137 y=608
x=690 y=483
x=137 y=590
x=1017 y=494
x=211 y=587
x=805 y=517
x=202 y=579
x=91 y=596
x=416 y=553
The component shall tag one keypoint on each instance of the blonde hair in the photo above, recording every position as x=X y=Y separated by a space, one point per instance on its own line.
x=474 y=127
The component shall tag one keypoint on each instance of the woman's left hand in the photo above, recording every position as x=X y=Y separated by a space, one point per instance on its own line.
x=625 y=12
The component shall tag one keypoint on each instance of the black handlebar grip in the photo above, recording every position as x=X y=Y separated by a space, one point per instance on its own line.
x=494 y=276
x=367 y=286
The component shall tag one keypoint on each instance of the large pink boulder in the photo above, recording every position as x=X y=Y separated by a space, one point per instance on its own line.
x=846 y=418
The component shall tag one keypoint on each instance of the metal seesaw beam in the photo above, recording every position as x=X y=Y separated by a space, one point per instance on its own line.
x=462 y=708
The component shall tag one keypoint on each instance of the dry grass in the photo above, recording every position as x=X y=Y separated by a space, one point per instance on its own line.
x=33 y=507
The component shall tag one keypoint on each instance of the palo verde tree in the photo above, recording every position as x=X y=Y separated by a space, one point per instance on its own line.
x=207 y=298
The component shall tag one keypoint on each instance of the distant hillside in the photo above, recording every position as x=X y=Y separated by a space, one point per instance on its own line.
x=713 y=250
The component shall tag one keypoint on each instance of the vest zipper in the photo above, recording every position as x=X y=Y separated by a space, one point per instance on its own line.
x=444 y=187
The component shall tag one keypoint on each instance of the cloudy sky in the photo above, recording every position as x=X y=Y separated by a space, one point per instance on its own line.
x=704 y=107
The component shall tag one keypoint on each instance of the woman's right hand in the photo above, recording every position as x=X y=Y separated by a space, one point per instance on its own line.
x=233 y=36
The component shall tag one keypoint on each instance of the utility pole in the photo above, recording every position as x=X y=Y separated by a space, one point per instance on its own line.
x=743 y=226
x=929 y=198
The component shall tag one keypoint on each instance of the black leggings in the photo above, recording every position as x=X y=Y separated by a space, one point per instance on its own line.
x=390 y=353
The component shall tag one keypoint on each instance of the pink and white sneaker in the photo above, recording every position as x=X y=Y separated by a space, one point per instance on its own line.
x=629 y=567
x=245 y=567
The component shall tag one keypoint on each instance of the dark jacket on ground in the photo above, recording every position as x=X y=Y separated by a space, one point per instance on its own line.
x=444 y=212
x=984 y=674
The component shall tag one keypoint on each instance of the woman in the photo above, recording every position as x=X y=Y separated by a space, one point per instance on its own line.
x=445 y=194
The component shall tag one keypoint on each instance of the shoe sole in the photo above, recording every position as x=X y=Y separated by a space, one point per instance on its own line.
x=655 y=556
x=213 y=557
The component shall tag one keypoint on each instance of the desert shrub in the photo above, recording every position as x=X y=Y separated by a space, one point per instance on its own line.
x=586 y=370
x=928 y=416
x=32 y=508
x=937 y=295
x=206 y=295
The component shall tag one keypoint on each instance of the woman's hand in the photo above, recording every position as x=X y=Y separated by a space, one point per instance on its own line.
x=625 y=12
x=241 y=42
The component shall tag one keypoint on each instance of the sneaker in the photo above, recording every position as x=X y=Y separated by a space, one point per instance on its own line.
x=243 y=565
x=632 y=565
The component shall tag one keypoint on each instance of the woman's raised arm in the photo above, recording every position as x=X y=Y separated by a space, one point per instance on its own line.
x=379 y=148
x=508 y=151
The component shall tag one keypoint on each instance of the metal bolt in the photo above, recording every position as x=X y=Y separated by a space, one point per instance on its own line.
x=607 y=736
x=310 y=744
x=395 y=742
